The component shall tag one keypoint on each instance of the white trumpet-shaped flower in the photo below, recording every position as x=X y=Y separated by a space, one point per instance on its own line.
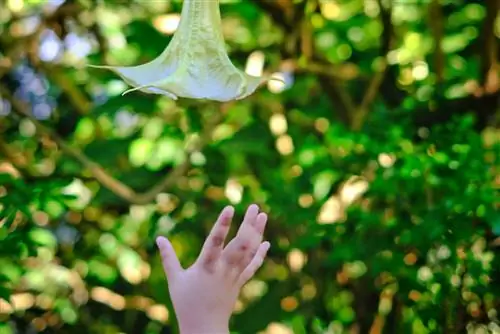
x=195 y=63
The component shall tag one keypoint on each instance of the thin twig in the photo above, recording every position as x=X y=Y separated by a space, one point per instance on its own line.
x=437 y=27
x=371 y=92
x=370 y=95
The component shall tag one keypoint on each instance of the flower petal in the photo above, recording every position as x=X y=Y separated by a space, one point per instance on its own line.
x=195 y=63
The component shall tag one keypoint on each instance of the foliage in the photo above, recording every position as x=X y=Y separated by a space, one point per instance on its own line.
x=377 y=162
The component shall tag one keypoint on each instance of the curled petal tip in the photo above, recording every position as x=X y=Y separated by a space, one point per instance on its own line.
x=99 y=66
x=133 y=90
x=151 y=89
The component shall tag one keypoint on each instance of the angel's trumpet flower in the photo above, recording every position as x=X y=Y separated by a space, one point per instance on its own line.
x=195 y=63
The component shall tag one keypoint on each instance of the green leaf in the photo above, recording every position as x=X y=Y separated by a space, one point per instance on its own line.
x=43 y=237
x=5 y=293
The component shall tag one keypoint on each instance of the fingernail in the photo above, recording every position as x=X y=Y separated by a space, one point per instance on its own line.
x=158 y=241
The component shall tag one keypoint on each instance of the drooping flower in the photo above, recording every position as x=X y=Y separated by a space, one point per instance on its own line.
x=195 y=63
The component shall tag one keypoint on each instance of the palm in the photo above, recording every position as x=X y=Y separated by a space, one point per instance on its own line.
x=196 y=284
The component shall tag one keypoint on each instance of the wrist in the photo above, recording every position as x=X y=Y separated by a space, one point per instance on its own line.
x=200 y=329
x=195 y=327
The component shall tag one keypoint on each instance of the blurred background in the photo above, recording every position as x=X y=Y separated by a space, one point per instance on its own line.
x=377 y=159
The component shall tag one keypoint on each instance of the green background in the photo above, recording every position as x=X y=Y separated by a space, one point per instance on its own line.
x=377 y=163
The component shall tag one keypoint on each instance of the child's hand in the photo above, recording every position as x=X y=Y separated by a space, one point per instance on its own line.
x=204 y=295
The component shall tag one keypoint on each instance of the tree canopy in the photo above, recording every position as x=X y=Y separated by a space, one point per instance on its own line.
x=377 y=160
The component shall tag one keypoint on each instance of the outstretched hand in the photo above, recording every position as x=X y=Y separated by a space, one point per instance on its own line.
x=204 y=295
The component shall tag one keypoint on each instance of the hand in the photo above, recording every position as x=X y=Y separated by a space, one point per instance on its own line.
x=204 y=295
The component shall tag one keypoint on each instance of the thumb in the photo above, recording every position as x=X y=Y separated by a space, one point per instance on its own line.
x=171 y=264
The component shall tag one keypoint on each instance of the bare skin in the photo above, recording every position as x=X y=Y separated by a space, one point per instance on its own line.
x=204 y=294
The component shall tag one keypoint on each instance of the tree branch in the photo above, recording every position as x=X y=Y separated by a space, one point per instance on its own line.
x=328 y=74
x=340 y=99
x=490 y=67
x=15 y=158
x=279 y=13
x=98 y=172
x=77 y=98
x=371 y=93
x=361 y=112
x=436 y=23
